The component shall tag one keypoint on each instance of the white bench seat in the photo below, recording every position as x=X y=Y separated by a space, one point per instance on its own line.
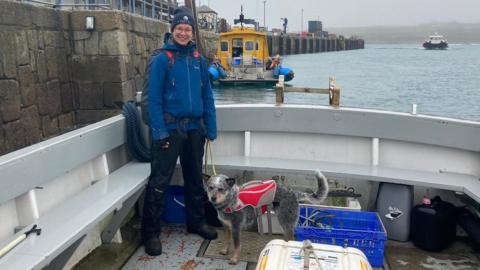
x=71 y=220
x=467 y=184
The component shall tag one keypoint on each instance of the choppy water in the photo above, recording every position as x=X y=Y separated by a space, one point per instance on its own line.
x=386 y=77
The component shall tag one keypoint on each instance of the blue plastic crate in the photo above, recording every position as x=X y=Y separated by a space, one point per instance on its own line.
x=358 y=229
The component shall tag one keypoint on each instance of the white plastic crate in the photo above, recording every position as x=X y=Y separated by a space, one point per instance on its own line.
x=281 y=255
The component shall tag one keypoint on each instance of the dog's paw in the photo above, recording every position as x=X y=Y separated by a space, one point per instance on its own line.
x=233 y=261
x=224 y=251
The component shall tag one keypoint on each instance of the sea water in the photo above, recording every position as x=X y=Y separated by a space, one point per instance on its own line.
x=382 y=76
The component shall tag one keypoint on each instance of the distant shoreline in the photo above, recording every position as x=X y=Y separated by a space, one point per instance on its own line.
x=455 y=33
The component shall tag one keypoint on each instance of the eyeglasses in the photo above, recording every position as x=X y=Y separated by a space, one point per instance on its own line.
x=181 y=29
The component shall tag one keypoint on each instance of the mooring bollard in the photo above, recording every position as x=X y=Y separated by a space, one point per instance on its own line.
x=279 y=90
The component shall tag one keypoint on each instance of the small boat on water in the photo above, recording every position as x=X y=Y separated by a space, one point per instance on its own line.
x=243 y=57
x=435 y=41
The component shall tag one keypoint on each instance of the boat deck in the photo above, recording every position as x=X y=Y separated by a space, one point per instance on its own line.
x=187 y=252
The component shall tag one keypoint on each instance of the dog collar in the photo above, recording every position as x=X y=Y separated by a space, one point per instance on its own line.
x=255 y=194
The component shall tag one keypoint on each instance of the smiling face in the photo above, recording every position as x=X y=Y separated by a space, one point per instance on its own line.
x=220 y=190
x=183 y=33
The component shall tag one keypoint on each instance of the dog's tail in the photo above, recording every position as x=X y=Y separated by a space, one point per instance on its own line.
x=322 y=190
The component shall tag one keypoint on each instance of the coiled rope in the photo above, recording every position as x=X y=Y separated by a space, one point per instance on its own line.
x=136 y=141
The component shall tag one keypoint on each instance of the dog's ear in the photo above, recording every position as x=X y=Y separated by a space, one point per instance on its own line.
x=231 y=181
x=205 y=177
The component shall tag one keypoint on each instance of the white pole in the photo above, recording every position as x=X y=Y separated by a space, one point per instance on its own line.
x=247 y=141
x=264 y=26
x=375 y=151
x=12 y=244
x=414 y=108
x=301 y=25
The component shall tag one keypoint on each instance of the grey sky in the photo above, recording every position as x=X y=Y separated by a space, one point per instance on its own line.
x=337 y=13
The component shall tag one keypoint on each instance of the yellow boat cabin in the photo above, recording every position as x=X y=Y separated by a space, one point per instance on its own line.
x=242 y=46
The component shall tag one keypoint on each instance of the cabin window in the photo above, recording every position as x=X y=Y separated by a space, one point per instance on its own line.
x=224 y=46
x=238 y=43
x=249 y=46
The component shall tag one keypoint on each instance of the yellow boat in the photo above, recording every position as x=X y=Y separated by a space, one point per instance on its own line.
x=242 y=46
x=244 y=56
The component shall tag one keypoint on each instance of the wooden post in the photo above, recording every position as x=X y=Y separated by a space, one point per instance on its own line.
x=334 y=92
x=279 y=90
x=191 y=5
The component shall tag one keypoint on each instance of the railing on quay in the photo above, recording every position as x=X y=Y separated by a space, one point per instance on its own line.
x=157 y=9
x=333 y=91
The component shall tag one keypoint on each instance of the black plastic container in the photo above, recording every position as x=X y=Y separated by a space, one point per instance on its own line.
x=433 y=226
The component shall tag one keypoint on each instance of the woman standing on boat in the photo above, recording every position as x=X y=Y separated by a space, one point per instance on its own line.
x=182 y=116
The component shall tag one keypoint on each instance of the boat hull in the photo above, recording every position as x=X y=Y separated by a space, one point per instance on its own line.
x=435 y=46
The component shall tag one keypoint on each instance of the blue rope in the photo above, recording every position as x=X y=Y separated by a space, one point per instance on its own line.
x=135 y=140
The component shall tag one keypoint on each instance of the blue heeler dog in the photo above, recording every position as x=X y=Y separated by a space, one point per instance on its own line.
x=223 y=193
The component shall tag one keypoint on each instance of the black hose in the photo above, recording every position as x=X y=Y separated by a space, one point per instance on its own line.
x=136 y=142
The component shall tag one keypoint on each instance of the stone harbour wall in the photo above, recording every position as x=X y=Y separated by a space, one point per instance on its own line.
x=36 y=90
x=56 y=76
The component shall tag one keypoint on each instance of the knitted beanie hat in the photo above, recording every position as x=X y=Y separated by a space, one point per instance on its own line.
x=182 y=15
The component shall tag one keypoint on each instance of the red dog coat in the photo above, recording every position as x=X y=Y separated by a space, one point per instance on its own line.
x=255 y=194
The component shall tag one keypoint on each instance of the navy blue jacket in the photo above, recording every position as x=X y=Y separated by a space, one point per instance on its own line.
x=181 y=89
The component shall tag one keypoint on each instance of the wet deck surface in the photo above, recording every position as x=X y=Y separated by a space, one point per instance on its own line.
x=180 y=251
x=188 y=252
x=405 y=256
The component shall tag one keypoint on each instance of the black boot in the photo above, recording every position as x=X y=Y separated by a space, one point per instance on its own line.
x=153 y=245
x=204 y=231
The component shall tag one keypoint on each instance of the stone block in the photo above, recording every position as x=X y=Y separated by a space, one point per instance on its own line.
x=128 y=90
x=8 y=54
x=85 y=117
x=51 y=57
x=15 y=13
x=82 y=70
x=66 y=121
x=41 y=44
x=91 y=44
x=113 y=43
x=2 y=60
x=63 y=66
x=90 y=96
x=112 y=94
x=117 y=93
x=30 y=121
x=54 y=98
x=79 y=47
x=14 y=136
x=115 y=65
x=27 y=85
x=45 y=18
x=33 y=59
x=53 y=39
x=137 y=24
x=66 y=92
x=106 y=20
x=42 y=66
x=49 y=126
x=140 y=47
x=138 y=83
x=9 y=100
x=32 y=38
x=23 y=56
x=140 y=64
x=160 y=28
x=42 y=99
x=2 y=142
